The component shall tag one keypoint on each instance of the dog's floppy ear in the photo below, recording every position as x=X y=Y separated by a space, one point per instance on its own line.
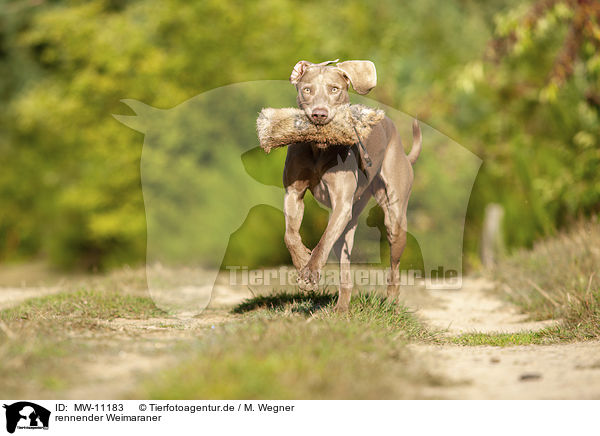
x=298 y=71
x=361 y=74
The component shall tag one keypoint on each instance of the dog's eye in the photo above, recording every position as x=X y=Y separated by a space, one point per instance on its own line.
x=306 y=90
x=335 y=89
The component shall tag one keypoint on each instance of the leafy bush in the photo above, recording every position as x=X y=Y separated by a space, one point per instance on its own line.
x=70 y=184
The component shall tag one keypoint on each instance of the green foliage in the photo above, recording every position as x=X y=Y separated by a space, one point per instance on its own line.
x=533 y=115
x=70 y=185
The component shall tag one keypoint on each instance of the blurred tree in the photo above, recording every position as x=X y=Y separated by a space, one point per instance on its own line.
x=530 y=108
x=71 y=185
x=70 y=179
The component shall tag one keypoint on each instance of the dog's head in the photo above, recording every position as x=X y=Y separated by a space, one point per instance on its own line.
x=324 y=87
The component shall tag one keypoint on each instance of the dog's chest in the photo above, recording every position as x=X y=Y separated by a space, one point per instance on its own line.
x=333 y=161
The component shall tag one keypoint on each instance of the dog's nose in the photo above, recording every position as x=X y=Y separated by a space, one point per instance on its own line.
x=320 y=114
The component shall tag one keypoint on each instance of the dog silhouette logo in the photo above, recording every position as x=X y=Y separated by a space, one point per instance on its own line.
x=201 y=181
x=26 y=415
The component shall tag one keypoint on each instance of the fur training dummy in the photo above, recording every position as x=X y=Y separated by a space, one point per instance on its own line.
x=282 y=127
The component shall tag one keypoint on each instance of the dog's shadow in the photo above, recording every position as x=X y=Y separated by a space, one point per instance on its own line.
x=299 y=302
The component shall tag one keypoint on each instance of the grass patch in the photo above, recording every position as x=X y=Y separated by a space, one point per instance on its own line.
x=295 y=346
x=36 y=364
x=294 y=359
x=368 y=309
x=82 y=304
x=558 y=279
x=373 y=311
x=43 y=340
x=306 y=302
x=505 y=339
x=564 y=332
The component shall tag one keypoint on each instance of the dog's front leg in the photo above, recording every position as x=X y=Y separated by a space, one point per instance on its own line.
x=341 y=187
x=293 y=209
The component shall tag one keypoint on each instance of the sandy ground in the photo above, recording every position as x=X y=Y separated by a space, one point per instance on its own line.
x=474 y=308
x=125 y=350
x=11 y=296
x=134 y=349
x=567 y=371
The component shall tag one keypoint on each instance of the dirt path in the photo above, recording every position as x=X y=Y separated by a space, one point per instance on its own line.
x=129 y=350
x=568 y=371
x=11 y=296
x=125 y=350
x=565 y=371
x=474 y=308
x=133 y=349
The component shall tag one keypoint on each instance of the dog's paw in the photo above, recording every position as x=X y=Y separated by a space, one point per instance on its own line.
x=308 y=280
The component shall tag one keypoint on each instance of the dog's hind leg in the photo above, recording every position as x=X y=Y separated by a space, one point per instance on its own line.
x=393 y=199
x=397 y=239
x=343 y=251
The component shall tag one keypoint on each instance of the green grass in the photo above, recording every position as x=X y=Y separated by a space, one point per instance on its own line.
x=47 y=337
x=83 y=304
x=576 y=329
x=292 y=358
x=35 y=364
x=504 y=339
x=301 y=301
x=286 y=348
x=559 y=279
x=281 y=346
x=368 y=309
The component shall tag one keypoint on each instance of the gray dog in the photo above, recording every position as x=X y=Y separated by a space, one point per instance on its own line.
x=339 y=179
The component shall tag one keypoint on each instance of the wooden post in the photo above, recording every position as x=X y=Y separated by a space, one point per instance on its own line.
x=492 y=239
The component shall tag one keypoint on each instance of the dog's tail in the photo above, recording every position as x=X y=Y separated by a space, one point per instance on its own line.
x=415 y=151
